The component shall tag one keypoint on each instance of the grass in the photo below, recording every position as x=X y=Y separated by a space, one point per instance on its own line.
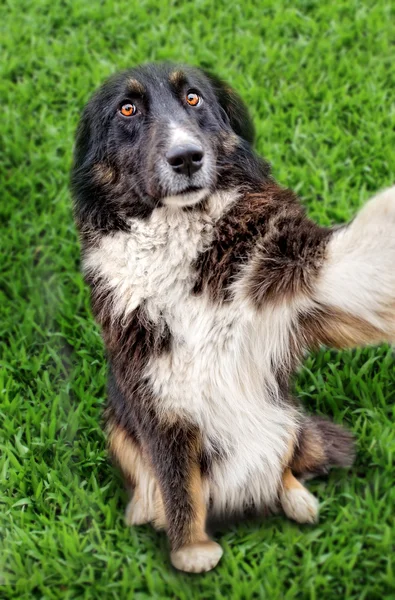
x=320 y=80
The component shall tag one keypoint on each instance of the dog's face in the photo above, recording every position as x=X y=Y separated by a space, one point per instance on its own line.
x=158 y=134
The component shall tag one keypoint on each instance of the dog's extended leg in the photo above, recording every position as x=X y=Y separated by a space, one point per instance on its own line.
x=337 y=286
x=354 y=294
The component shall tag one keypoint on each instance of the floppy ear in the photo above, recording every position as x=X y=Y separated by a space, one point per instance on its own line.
x=234 y=108
x=91 y=136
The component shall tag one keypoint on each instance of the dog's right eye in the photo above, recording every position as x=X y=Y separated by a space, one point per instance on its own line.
x=128 y=109
x=193 y=98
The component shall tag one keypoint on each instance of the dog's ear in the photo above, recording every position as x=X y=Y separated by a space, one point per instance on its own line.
x=234 y=108
x=91 y=136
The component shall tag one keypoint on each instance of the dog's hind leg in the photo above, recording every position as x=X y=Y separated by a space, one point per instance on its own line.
x=321 y=445
x=297 y=502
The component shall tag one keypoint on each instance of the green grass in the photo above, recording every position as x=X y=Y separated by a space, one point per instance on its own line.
x=319 y=77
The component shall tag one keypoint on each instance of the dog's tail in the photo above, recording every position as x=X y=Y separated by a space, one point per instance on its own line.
x=321 y=445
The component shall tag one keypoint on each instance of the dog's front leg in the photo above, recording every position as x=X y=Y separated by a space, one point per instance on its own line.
x=175 y=451
x=354 y=294
x=337 y=285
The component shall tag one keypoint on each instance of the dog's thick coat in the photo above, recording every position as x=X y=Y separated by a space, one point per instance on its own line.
x=209 y=288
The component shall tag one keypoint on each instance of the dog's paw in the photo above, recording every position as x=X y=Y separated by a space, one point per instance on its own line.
x=137 y=512
x=299 y=505
x=197 y=558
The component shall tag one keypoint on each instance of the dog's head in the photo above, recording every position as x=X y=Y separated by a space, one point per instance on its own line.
x=159 y=134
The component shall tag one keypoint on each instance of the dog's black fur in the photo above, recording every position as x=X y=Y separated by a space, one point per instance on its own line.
x=257 y=249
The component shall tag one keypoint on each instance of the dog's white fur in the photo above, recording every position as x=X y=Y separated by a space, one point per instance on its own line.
x=219 y=372
x=197 y=558
x=188 y=199
x=299 y=505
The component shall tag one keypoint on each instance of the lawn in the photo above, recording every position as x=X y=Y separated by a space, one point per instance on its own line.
x=320 y=80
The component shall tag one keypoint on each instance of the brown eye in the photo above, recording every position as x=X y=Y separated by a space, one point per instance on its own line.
x=128 y=109
x=193 y=98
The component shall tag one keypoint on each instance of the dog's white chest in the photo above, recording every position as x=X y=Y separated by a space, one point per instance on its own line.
x=152 y=263
x=218 y=373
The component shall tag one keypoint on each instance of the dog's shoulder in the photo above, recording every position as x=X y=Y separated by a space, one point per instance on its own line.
x=254 y=221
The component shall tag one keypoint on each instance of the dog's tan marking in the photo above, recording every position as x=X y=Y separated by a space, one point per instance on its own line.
x=297 y=502
x=288 y=456
x=229 y=142
x=135 y=87
x=336 y=328
x=177 y=78
x=197 y=552
x=146 y=504
x=198 y=525
x=103 y=173
x=311 y=454
x=289 y=481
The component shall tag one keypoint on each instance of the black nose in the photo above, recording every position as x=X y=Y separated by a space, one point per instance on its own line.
x=185 y=159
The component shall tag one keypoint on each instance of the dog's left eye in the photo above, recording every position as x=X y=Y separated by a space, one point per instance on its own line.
x=193 y=98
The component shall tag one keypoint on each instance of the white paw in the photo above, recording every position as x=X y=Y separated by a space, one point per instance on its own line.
x=299 y=505
x=197 y=558
x=137 y=512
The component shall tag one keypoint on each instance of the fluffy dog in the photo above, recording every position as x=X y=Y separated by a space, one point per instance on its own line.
x=210 y=284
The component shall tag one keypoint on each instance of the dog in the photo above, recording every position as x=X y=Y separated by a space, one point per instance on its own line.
x=210 y=284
